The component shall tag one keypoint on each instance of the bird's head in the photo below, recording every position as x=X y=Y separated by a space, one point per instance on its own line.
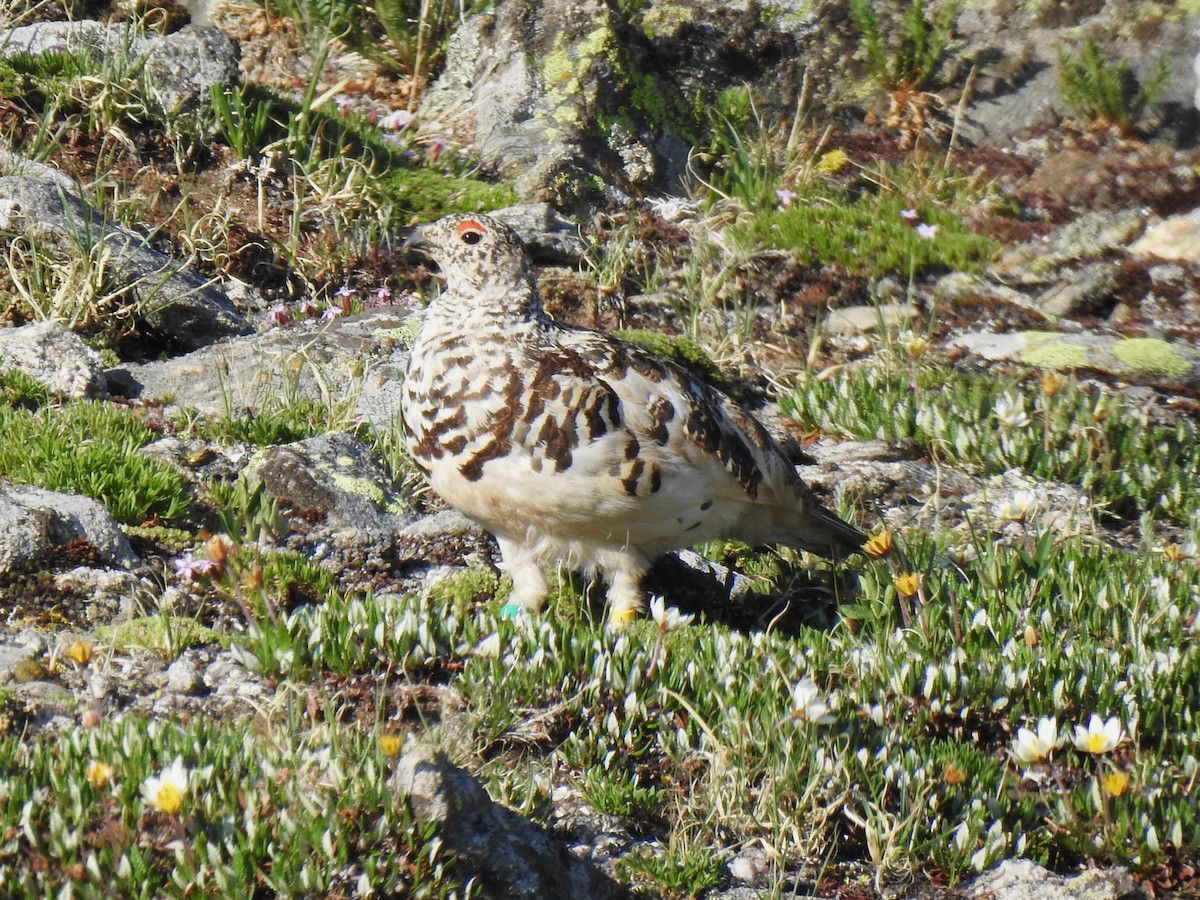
x=477 y=255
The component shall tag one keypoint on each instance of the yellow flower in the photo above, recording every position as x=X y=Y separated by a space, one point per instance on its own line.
x=1099 y=736
x=832 y=162
x=166 y=791
x=99 y=774
x=1114 y=783
x=389 y=744
x=908 y=583
x=1052 y=383
x=80 y=653
x=914 y=345
x=879 y=543
x=952 y=774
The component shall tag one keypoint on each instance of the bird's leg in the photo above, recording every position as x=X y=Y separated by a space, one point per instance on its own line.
x=529 y=581
x=626 y=599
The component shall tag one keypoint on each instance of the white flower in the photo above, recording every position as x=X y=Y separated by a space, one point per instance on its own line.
x=166 y=791
x=1099 y=736
x=1029 y=747
x=668 y=618
x=1010 y=412
x=1018 y=507
x=809 y=705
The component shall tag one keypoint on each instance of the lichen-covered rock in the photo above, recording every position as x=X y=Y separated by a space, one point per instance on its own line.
x=562 y=99
x=1023 y=879
x=341 y=507
x=1171 y=363
x=55 y=357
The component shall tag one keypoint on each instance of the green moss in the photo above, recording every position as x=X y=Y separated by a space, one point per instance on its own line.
x=166 y=634
x=464 y=588
x=1054 y=354
x=1151 y=355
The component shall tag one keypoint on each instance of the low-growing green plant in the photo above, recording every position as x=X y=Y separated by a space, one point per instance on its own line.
x=619 y=793
x=684 y=876
x=1104 y=91
x=209 y=804
x=1108 y=447
x=92 y=449
x=910 y=58
x=245 y=116
x=868 y=235
x=908 y=63
x=20 y=390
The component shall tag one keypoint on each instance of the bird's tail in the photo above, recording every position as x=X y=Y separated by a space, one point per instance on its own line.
x=822 y=532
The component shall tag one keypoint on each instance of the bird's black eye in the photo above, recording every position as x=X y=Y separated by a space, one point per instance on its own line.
x=469 y=231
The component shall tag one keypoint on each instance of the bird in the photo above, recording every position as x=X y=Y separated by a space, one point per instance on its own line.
x=574 y=448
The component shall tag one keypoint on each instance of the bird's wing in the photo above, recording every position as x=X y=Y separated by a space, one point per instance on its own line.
x=675 y=423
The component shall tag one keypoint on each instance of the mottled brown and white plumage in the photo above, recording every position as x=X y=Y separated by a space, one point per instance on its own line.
x=576 y=448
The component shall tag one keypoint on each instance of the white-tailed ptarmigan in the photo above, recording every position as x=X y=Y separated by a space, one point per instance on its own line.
x=576 y=448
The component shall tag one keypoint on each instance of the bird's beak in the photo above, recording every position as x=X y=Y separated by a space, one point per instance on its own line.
x=416 y=241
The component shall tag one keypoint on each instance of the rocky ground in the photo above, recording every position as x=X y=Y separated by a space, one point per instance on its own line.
x=1095 y=274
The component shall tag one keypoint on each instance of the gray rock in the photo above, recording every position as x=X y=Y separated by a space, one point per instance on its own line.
x=110 y=594
x=174 y=300
x=357 y=361
x=178 y=68
x=1021 y=879
x=34 y=521
x=509 y=856
x=54 y=356
x=1089 y=285
x=554 y=95
x=182 y=67
x=343 y=509
x=860 y=319
x=1089 y=236
x=184 y=675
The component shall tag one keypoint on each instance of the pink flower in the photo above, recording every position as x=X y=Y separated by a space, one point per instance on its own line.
x=382 y=296
x=785 y=197
x=927 y=231
x=188 y=567
x=331 y=313
x=909 y=215
x=278 y=315
x=396 y=120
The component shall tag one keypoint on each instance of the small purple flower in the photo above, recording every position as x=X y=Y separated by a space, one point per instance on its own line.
x=278 y=315
x=382 y=296
x=785 y=197
x=927 y=231
x=343 y=102
x=909 y=216
x=396 y=120
x=189 y=568
x=331 y=313
x=308 y=307
x=344 y=292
